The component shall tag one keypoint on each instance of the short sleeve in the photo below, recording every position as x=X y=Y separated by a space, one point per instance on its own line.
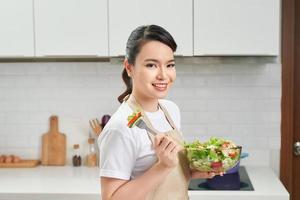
x=118 y=152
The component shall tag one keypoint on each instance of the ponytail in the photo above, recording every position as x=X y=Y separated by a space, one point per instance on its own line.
x=128 y=83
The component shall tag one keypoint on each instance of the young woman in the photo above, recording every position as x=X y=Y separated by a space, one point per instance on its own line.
x=135 y=164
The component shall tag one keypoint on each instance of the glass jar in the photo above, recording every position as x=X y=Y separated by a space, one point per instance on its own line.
x=91 y=158
x=76 y=159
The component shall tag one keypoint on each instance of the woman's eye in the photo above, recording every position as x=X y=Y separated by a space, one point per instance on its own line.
x=150 y=65
x=171 y=65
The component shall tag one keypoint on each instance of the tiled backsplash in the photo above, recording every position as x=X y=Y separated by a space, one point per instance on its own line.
x=235 y=100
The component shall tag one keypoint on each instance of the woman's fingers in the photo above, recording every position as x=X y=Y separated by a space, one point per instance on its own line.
x=170 y=146
x=158 y=139
x=166 y=150
x=165 y=143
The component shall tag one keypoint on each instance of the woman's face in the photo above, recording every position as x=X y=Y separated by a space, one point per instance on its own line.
x=154 y=71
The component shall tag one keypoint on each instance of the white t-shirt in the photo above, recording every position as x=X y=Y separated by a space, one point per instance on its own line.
x=126 y=153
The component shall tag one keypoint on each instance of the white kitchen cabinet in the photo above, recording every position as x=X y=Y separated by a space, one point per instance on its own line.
x=236 y=27
x=174 y=15
x=71 y=27
x=16 y=32
x=83 y=183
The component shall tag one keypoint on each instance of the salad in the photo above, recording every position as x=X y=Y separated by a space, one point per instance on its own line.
x=134 y=118
x=214 y=155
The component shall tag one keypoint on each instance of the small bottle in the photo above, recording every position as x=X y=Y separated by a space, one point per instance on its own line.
x=76 y=156
x=91 y=158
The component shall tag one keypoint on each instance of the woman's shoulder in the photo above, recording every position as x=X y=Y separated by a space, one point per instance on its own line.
x=118 y=121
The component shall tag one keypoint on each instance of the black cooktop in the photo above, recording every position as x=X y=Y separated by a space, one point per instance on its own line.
x=236 y=181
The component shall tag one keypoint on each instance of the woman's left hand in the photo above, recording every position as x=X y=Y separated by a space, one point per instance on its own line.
x=199 y=174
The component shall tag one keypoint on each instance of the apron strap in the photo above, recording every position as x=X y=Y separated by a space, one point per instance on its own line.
x=168 y=117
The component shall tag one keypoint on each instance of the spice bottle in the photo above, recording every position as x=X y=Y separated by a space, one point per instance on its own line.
x=91 y=158
x=76 y=156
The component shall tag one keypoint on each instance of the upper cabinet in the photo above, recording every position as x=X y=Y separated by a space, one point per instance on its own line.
x=174 y=15
x=16 y=32
x=236 y=27
x=71 y=28
x=101 y=27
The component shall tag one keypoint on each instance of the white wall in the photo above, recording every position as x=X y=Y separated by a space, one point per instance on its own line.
x=233 y=98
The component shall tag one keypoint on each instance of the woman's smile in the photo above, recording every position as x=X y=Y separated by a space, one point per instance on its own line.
x=160 y=86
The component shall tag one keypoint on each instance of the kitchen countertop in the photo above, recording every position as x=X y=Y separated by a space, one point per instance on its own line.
x=72 y=183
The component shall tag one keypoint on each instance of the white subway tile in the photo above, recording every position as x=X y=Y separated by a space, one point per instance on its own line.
x=274 y=92
x=207 y=93
x=219 y=129
x=183 y=93
x=271 y=117
x=256 y=157
x=194 y=130
x=12 y=69
x=244 y=92
x=250 y=80
x=225 y=80
x=274 y=143
x=230 y=105
x=241 y=68
x=256 y=143
x=217 y=97
x=191 y=105
x=7 y=82
x=238 y=118
x=206 y=117
x=188 y=81
x=267 y=105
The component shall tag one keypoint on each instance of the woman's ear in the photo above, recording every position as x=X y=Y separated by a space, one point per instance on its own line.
x=128 y=67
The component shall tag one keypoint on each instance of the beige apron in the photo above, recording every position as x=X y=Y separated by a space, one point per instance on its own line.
x=175 y=185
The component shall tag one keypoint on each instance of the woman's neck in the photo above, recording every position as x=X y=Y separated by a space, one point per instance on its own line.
x=148 y=105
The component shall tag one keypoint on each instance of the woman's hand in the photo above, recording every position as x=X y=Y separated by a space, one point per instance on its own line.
x=166 y=150
x=199 y=174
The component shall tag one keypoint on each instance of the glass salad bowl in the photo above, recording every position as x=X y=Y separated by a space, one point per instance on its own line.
x=215 y=155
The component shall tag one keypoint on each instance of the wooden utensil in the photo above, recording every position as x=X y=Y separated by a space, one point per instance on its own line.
x=54 y=145
x=96 y=126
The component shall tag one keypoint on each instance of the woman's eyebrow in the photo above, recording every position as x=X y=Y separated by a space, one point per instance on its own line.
x=150 y=59
x=154 y=60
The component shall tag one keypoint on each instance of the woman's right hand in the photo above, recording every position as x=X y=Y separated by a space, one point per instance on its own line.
x=166 y=150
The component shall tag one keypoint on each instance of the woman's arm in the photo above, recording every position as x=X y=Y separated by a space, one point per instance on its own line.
x=116 y=189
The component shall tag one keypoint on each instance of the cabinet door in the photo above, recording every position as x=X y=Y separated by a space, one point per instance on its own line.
x=16 y=32
x=174 y=15
x=71 y=27
x=236 y=27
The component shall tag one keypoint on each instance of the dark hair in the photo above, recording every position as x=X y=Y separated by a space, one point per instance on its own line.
x=136 y=40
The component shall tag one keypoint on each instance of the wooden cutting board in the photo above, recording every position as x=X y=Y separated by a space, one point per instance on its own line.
x=54 y=145
x=21 y=164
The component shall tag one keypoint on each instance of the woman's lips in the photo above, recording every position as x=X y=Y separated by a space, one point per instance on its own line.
x=160 y=86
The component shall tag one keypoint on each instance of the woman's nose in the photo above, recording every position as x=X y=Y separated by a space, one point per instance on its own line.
x=162 y=74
